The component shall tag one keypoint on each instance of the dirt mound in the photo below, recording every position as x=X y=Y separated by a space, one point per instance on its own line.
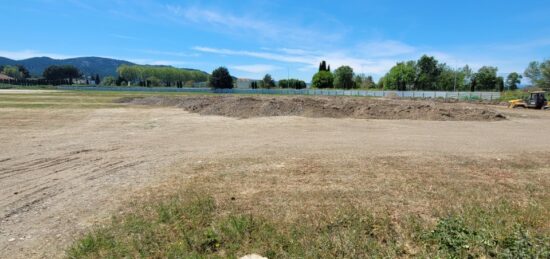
x=331 y=107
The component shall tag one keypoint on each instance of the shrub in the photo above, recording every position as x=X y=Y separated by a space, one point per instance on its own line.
x=267 y=82
x=153 y=81
x=108 y=81
x=323 y=79
x=221 y=79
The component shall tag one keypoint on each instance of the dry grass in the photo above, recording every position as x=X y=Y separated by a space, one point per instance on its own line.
x=349 y=206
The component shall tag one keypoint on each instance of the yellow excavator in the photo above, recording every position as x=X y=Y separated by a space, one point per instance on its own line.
x=536 y=100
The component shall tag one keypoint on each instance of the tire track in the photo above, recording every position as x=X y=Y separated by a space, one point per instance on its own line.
x=27 y=168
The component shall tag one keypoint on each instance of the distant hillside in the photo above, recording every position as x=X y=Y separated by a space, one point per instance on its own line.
x=86 y=65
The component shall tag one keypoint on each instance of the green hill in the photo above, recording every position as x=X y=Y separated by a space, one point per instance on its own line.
x=86 y=65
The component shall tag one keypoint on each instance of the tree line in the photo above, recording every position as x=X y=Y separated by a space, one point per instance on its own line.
x=52 y=75
x=342 y=78
x=267 y=83
x=427 y=73
x=222 y=79
x=15 y=72
x=158 y=75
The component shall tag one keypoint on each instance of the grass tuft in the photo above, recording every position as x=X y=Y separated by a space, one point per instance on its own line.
x=193 y=225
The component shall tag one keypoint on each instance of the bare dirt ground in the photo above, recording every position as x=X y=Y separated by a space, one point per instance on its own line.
x=64 y=170
x=327 y=107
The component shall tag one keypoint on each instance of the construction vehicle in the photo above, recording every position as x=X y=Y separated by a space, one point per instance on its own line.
x=536 y=100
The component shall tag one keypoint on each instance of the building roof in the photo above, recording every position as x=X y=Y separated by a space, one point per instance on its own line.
x=5 y=77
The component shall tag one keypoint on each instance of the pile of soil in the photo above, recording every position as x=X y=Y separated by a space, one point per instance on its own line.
x=331 y=107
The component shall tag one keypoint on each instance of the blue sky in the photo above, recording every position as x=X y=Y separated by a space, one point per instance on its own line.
x=282 y=38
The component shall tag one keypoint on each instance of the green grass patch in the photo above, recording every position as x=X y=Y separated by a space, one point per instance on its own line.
x=513 y=95
x=193 y=225
x=73 y=99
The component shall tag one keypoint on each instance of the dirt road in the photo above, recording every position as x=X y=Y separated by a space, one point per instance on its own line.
x=61 y=170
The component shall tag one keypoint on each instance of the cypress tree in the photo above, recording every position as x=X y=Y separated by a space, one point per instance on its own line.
x=323 y=66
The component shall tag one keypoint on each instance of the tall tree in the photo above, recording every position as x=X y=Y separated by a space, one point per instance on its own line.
x=268 y=82
x=513 y=80
x=401 y=77
x=468 y=76
x=533 y=72
x=343 y=77
x=369 y=82
x=539 y=73
x=323 y=66
x=500 y=84
x=358 y=81
x=61 y=73
x=381 y=83
x=486 y=79
x=221 y=79
x=24 y=71
x=450 y=79
x=428 y=73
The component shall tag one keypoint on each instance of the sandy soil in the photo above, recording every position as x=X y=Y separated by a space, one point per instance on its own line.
x=61 y=171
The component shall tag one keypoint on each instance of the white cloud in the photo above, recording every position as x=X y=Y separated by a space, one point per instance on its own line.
x=201 y=15
x=263 y=55
x=256 y=69
x=255 y=27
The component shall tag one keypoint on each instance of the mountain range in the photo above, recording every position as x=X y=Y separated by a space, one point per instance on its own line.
x=87 y=65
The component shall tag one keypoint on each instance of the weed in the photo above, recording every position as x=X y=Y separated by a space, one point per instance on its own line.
x=195 y=227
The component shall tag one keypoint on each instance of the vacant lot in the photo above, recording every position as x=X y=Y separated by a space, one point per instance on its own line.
x=69 y=161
